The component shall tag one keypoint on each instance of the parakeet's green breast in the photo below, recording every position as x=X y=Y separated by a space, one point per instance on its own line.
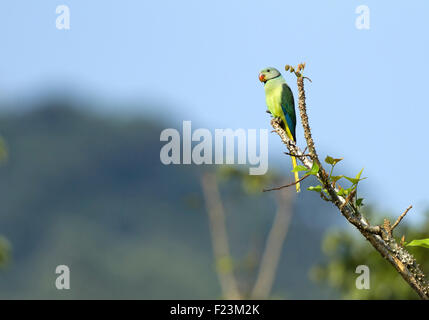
x=280 y=102
x=273 y=96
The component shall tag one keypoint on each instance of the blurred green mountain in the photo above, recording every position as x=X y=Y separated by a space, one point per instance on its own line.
x=90 y=192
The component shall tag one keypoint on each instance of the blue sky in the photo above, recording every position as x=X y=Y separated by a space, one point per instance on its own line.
x=366 y=103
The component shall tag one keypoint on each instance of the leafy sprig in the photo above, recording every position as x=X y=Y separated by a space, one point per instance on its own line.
x=343 y=192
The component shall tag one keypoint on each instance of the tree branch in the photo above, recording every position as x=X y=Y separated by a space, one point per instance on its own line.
x=274 y=245
x=381 y=240
x=219 y=237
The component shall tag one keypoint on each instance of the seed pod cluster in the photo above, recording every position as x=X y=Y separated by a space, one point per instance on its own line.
x=298 y=70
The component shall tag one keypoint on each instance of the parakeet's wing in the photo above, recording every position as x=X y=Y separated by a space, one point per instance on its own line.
x=288 y=107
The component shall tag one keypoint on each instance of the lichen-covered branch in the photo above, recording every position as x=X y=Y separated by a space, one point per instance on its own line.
x=380 y=238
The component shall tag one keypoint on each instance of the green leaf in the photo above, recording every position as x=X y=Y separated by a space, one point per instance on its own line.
x=314 y=169
x=345 y=192
x=332 y=161
x=419 y=243
x=359 y=202
x=341 y=192
x=336 y=178
x=316 y=188
x=299 y=168
x=354 y=180
x=358 y=175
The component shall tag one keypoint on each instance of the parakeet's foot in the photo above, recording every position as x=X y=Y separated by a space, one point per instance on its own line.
x=278 y=120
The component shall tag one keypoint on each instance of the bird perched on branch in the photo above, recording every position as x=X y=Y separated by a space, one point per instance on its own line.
x=280 y=103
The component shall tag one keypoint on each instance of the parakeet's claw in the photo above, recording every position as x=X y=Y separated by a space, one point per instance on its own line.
x=278 y=120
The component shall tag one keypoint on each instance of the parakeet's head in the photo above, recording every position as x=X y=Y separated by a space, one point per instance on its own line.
x=268 y=74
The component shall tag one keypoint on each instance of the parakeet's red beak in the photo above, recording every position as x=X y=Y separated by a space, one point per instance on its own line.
x=261 y=77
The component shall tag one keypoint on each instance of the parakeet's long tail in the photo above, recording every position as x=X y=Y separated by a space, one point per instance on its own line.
x=298 y=185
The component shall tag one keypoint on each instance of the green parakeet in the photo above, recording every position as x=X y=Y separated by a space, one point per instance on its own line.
x=280 y=103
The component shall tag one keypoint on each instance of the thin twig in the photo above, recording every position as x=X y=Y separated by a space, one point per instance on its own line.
x=296 y=155
x=288 y=185
x=400 y=218
x=349 y=197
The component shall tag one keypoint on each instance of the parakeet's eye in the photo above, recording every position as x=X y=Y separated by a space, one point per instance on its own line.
x=268 y=70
